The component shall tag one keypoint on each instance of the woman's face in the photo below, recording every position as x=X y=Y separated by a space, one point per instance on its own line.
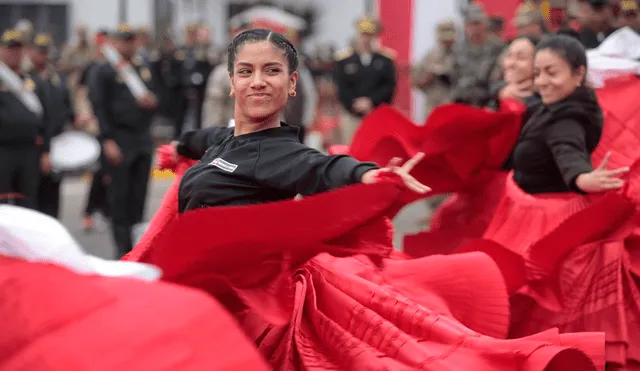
x=260 y=81
x=554 y=78
x=518 y=62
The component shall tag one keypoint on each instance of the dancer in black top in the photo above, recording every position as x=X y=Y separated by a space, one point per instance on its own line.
x=261 y=159
x=553 y=153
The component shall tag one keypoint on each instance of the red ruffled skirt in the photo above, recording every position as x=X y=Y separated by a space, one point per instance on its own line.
x=460 y=219
x=324 y=291
x=580 y=256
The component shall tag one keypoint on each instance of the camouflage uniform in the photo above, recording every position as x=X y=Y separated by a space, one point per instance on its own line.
x=473 y=65
x=439 y=62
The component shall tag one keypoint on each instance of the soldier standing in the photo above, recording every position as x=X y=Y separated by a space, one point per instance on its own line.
x=365 y=77
x=475 y=60
x=433 y=74
x=597 y=24
x=24 y=135
x=125 y=133
x=194 y=73
x=629 y=14
x=61 y=111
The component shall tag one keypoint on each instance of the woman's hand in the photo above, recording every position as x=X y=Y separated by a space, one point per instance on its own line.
x=403 y=171
x=601 y=179
x=516 y=91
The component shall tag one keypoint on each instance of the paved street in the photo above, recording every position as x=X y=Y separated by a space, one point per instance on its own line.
x=99 y=242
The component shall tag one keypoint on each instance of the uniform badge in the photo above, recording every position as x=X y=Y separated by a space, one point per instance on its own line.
x=29 y=84
x=55 y=80
x=351 y=68
x=145 y=74
x=200 y=54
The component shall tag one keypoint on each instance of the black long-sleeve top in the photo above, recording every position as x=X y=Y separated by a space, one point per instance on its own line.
x=264 y=166
x=18 y=125
x=555 y=145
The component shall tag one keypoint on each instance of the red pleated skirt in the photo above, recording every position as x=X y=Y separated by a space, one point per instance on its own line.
x=580 y=252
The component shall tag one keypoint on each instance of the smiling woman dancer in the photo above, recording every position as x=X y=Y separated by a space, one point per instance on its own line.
x=260 y=159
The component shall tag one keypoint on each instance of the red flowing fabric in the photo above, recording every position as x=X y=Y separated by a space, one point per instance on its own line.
x=468 y=213
x=450 y=164
x=307 y=293
x=56 y=320
x=580 y=251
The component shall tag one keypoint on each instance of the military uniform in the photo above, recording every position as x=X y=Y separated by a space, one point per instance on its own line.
x=589 y=37
x=218 y=107
x=436 y=68
x=195 y=67
x=24 y=136
x=61 y=112
x=474 y=64
x=166 y=68
x=356 y=76
x=123 y=120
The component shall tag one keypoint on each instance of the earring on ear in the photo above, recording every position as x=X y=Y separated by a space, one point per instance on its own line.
x=232 y=95
x=293 y=93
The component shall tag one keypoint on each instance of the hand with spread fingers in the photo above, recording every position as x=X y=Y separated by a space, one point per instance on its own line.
x=403 y=171
x=601 y=179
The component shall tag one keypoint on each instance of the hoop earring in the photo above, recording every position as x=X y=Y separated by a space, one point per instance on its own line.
x=293 y=93
x=232 y=95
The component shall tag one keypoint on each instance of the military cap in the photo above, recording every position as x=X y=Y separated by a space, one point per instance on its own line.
x=475 y=13
x=629 y=6
x=446 y=30
x=12 y=38
x=42 y=41
x=125 y=32
x=369 y=25
x=526 y=16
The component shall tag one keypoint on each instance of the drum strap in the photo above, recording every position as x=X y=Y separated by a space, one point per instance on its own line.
x=23 y=90
x=125 y=71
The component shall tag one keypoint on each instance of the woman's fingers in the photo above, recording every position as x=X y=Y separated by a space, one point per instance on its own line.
x=615 y=172
x=395 y=162
x=413 y=184
x=605 y=162
x=409 y=165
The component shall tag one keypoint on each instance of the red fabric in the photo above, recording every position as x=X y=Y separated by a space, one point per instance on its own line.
x=306 y=309
x=54 y=319
x=467 y=214
x=459 y=143
x=579 y=250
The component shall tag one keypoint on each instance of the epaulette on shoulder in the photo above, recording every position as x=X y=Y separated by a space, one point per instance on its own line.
x=388 y=52
x=343 y=54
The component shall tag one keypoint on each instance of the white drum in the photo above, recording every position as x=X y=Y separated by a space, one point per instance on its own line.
x=74 y=151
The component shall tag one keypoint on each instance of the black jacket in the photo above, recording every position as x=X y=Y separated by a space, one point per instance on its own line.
x=117 y=110
x=353 y=80
x=18 y=125
x=264 y=166
x=555 y=145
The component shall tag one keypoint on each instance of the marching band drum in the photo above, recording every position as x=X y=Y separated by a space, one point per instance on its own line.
x=74 y=152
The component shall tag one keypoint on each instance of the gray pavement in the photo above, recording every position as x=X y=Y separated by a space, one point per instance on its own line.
x=99 y=242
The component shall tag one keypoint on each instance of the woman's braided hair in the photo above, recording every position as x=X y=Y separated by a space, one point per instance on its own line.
x=262 y=34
